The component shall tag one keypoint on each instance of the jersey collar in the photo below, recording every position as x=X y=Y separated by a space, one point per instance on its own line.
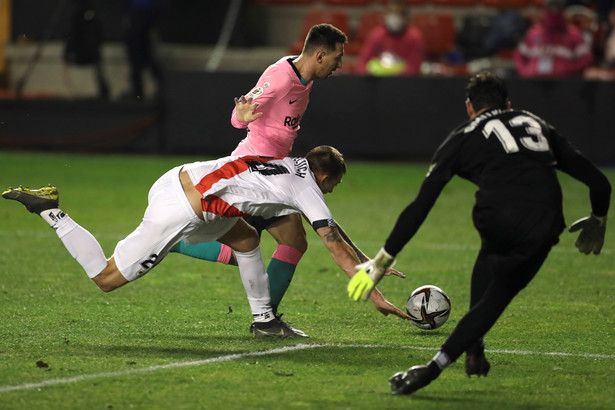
x=303 y=80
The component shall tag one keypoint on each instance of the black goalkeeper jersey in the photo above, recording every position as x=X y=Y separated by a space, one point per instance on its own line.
x=512 y=156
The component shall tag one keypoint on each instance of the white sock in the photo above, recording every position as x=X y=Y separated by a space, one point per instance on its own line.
x=79 y=242
x=52 y=216
x=256 y=283
x=441 y=359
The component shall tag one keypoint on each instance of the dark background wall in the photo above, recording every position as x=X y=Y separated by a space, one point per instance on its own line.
x=404 y=118
x=365 y=117
x=181 y=21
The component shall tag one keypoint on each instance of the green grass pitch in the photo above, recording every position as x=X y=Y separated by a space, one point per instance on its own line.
x=178 y=338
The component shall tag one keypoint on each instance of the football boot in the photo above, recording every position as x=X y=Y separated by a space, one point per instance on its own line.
x=411 y=380
x=274 y=328
x=35 y=200
x=477 y=364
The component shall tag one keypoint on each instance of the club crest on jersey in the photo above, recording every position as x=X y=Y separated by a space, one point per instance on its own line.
x=266 y=84
x=257 y=92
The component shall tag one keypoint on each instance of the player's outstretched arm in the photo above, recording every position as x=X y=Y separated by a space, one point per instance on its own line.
x=363 y=257
x=347 y=259
x=384 y=306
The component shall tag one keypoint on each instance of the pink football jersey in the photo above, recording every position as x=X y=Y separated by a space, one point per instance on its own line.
x=282 y=98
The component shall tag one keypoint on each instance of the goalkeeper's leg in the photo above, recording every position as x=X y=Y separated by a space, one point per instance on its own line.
x=509 y=275
x=476 y=362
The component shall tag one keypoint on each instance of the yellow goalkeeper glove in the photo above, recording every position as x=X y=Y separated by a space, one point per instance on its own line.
x=368 y=275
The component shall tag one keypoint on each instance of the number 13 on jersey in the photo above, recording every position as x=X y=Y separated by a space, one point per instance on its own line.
x=532 y=139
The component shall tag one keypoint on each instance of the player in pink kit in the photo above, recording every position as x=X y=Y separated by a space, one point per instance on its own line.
x=283 y=96
x=272 y=113
x=207 y=201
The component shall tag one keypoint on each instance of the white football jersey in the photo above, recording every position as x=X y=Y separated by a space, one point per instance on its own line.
x=259 y=186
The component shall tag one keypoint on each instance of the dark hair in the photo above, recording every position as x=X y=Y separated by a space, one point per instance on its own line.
x=325 y=159
x=323 y=36
x=486 y=90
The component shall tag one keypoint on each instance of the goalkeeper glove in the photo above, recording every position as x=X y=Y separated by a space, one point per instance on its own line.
x=591 y=237
x=368 y=275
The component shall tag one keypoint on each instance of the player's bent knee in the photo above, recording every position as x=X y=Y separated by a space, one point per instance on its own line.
x=110 y=278
x=299 y=243
x=104 y=286
x=241 y=238
x=290 y=232
x=296 y=241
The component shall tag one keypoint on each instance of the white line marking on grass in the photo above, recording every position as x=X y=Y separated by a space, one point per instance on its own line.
x=301 y=346
x=515 y=352
x=527 y=352
x=218 y=359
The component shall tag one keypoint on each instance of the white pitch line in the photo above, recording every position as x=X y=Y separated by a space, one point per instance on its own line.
x=301 y=346
x=515 y=352
x=218 y=359
x=528 y=352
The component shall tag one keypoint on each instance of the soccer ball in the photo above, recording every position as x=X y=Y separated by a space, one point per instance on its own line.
x=428 y=307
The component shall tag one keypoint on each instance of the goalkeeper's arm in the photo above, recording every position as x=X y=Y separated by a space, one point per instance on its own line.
x=368 y=275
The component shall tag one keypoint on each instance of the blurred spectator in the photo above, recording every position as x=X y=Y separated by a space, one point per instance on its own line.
x=552 y=47
x=143 y=20
x=609 y=47
x=585 y=19
x=392 y=48
x=83 y=42
x=471 y=38
x=606 y=70
x=507 y=29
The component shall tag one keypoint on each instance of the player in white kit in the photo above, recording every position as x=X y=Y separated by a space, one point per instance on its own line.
x=207 y=201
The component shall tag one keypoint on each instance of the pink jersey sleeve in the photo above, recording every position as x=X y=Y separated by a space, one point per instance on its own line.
x=263 y=93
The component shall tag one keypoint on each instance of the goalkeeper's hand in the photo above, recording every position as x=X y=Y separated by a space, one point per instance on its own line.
x=591 y=237
x=368 y=275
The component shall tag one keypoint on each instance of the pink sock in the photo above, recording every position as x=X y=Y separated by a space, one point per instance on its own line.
x=287 y=254
x=225 y=254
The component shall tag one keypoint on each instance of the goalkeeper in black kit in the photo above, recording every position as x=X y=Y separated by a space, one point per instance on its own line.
x=512 y=156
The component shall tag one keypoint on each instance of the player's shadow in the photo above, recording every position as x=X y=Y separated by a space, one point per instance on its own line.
x=428 y=334
x=473 y=401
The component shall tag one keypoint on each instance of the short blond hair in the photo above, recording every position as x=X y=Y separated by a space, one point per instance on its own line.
x=327 y=160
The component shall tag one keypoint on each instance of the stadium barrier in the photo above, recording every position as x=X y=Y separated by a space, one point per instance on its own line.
x=404 y=118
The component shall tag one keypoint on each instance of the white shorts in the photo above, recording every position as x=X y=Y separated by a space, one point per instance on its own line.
x=168 y=219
